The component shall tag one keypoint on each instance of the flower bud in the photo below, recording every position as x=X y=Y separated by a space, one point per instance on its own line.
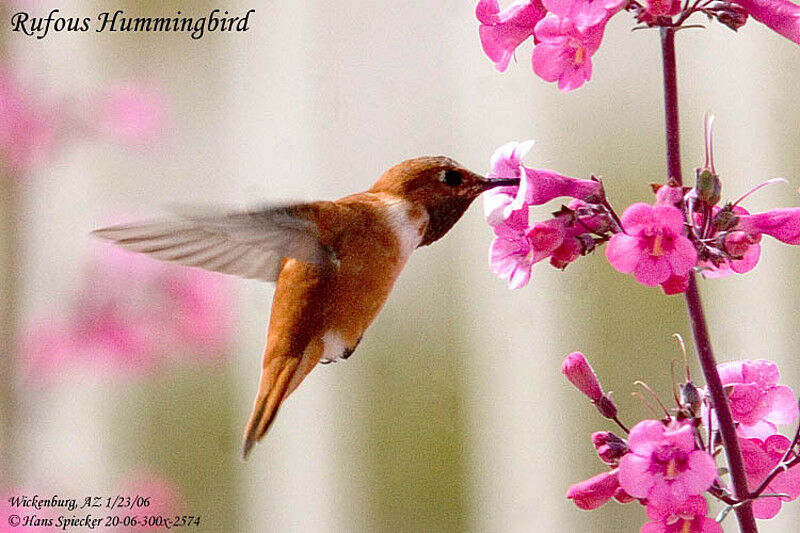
x=609 y=447
x=732 y=15
x=577 y=370
x=669 y=194
x=708 y=186
x=606 y=406
x=691 y=397
x=594 y=492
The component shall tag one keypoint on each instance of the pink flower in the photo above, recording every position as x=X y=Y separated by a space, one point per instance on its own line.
x=27 y=131
x=516 y=248
x=501 y=32
x=594 y=492
x=564 y=53
x=760 y=457
x=134 y=113
x=584 y=13
x=537 y=186
x=654 y=9
x=663 y=464
x=782 y=16
x=577 y=370
x=653 y=246
x=130 y=315
x=688 y=517
x=757 y=402
x=782 y=224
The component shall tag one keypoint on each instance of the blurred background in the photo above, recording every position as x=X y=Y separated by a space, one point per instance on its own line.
x=123 y=375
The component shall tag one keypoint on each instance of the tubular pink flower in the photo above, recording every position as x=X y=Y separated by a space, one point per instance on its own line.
x=501 y=32
x=757 y=402
x=760 y=457
x=564 y=52
x=511 y=254
x=594 y=492
x=578 y=371
x=782 y=224
x=516 y=248
x=782 y=16
x=688 y=517
x=663 y=464
x=653 y=247
x=584 y=13
x=537 y=186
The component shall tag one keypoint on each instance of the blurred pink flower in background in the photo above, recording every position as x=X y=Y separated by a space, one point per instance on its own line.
x=134 y=113
x=27 y=129
x=33 y=125
x=130 y=315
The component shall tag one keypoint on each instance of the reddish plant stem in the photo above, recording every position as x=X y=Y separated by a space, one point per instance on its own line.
x=744 y=512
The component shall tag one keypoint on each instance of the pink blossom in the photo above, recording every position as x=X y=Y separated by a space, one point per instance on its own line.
x=760 y=457
x=578 y=371
x=131 y=314
x=501 y=32
x=134 y=113
x=584 y=13
x=782 y=16
x=511 y=254
x=655 y=9
x=782 y=224
x=688 y=517
x=564 y=53
x=653 y=247
x=516 y=248
x=663 y=464
x=27 y=129
x=537 y=186
x=757 y=402
x=594 y=492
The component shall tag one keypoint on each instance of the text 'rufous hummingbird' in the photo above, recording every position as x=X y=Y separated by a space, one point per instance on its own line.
x=334 y=262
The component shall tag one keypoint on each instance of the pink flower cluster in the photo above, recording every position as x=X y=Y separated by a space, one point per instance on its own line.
x=131 y=314
x=33 y=125
x=567 y=33
x=519 y=244
x=667 y=465
x=656 y=243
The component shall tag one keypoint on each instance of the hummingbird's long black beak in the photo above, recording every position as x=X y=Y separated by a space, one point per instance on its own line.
x=502 y=182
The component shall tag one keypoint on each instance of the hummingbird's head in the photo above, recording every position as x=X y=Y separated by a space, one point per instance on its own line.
x=439 y=185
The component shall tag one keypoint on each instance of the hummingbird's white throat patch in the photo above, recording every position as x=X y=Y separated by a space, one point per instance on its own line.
x=408 y=224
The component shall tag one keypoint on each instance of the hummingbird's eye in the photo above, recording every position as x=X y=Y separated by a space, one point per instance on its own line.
x=452 y=177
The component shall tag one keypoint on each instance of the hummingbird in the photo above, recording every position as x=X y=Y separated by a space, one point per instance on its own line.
x=334 y=262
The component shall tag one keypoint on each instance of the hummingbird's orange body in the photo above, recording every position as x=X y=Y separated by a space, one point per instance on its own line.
x=334 y=262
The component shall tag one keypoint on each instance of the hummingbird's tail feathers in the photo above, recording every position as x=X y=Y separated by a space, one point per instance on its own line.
x=273 y=388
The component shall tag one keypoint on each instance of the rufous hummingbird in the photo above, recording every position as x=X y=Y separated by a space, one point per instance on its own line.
x=334 y=262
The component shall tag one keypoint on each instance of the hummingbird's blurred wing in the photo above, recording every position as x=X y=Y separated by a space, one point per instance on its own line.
x=249 y=244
